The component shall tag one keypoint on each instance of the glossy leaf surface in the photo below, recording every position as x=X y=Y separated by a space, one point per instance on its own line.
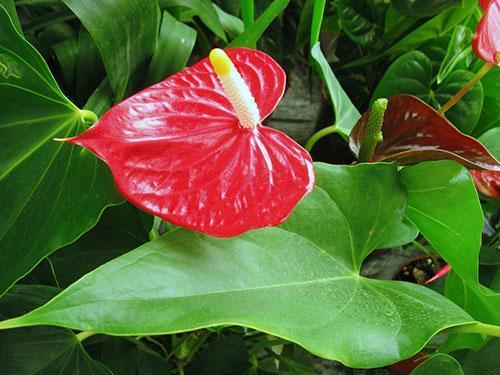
x=486 y=42
x=39 y=178
x=125 y=32
x=346 y=114
x=177 y=151
x=413 y=132
x=443 y=205
x=299 y=281
x=489 y=116
x=413 y=74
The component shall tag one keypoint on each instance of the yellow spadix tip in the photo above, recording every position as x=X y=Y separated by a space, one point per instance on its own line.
x=220 y=62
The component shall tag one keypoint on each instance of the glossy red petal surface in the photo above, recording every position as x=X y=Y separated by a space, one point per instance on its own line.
x=484 y=3
x=176 y=150
x=486 y=42
x=487 y=182
x=413 y=131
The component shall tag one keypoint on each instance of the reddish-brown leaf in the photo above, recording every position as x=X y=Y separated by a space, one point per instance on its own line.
x=414 y=131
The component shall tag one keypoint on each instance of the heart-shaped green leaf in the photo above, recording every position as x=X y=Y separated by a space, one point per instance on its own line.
x=412 y=74
x=299 y=281
x=489 y=116
x=50 y=194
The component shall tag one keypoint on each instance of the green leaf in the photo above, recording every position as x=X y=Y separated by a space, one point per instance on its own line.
x=489 y=116
x=443 y=205
x=346 y=114
x=437 y=26
x=51 y=192
x=299 y=281
x=41 y=350
x=440 y=363
x=458 y=49
x=232 y=25
x=227 y=355
x=423 y=8
x=412 y=74
x=204 y=9
x=128 y=356
x=175 y=44
x=10 y=7
x=490 y=141
x=361 y=20
x=119 y=230
x=251 y=35
x=484 y=362
x=125 y=31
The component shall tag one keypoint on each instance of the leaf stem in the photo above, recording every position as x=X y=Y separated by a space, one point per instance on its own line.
x=320 y=134
x=84 y=335
x=455 y=98
x=247 y=13
x=481 y=328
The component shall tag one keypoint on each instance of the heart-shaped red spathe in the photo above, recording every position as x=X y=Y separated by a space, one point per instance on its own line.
x=177 y=151
x=487 y=182
x=486 y=42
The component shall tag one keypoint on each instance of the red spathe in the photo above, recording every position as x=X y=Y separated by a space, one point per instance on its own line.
x=176 y=150
x=486 y=42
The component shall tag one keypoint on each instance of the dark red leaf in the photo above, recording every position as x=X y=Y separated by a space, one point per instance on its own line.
x=413 y=131
x=177 y=151
x=487 y=182
x=486 y=42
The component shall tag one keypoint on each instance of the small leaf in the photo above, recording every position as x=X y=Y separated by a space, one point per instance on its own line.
x=299 y=281
x=413 y=132
x=439 y=363
x=177 y=150
x=346 y=113
x=458 y=49
x=360 y=20
x=486 y=41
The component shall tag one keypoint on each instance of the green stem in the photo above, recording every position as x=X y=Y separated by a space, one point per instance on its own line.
x=317 y=19
x=247 y=13
x=84 y=335
x=373 y=131
x=464 y=90
x=88 y=116
x=481 y=328
x=320 y=134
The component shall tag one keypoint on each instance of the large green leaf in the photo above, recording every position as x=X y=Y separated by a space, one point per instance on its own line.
x=51 y=192
x=125 y=32
x=346 y=114
x=412 y=74
x=299 y=281
x=175 y=44
x=40 y=350
x=443 y=204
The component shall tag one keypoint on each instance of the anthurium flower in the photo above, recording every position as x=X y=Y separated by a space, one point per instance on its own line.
x=192 y=149
x=486 y=42
x=439 y=274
